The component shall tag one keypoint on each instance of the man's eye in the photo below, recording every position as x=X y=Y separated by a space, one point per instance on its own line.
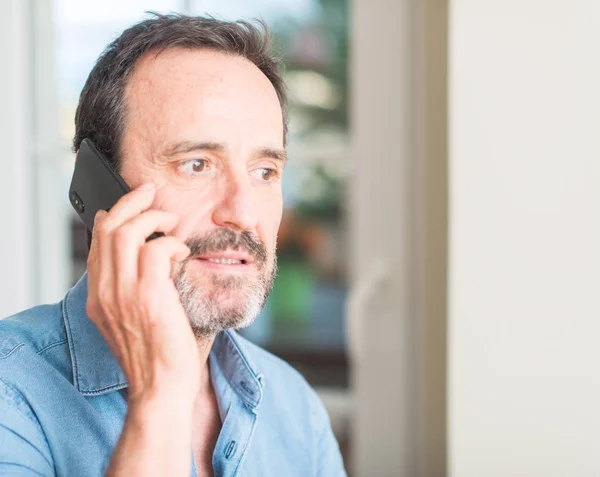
x=194 y=166
x=266 y=174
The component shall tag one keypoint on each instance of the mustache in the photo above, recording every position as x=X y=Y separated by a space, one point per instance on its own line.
x=226 y=239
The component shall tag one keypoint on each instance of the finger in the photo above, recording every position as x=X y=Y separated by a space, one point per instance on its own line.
x=156 y=257
x=99 y=265
x=132 y=235
x=99 y=255
x=140 y=227
x=93 y=251
x=131 y=204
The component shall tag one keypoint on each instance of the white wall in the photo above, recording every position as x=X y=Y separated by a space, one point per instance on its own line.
x=524 y=345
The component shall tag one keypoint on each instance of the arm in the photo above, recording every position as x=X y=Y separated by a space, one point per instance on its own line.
x=24 y=450
x=329 y=457
x=156 y=440
x=135 y=305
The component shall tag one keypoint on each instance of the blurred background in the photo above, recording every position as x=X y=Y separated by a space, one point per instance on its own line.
x=439 y=251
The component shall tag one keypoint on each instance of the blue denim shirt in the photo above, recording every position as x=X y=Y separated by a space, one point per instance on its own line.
x=63 y=402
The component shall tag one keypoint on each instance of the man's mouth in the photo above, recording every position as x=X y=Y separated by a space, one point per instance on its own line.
x=227 y=258
x=225 y=261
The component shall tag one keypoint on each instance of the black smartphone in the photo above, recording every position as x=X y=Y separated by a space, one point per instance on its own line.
x=95 y=185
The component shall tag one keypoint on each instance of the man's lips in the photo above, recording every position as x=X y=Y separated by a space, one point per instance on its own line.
x=231 y=257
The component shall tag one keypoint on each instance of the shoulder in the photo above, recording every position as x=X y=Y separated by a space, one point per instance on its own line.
x=31 y=336
x=37 y=328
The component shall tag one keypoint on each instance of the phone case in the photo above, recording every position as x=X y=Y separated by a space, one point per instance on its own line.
x=95 y=185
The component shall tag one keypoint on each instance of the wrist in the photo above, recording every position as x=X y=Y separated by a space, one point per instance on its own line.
x=164 y=410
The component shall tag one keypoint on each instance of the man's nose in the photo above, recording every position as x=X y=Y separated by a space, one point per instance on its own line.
x=237 y=208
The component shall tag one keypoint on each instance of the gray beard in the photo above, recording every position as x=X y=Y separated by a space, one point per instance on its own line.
x=230 y=303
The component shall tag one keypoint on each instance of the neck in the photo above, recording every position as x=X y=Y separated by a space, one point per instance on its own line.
x=204 y=347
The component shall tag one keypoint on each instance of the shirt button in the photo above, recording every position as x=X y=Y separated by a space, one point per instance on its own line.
x=230 y=449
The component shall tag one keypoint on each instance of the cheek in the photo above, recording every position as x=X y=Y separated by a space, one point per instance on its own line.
x=196 y=207
x=193 y=207
x=270 y=221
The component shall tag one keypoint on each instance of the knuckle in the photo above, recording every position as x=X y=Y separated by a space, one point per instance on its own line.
x=103 y=296
x=120 y=297
x=102 y=228
x=152 y=249
x=101 y=231
x=122 y=234
x=146 y=252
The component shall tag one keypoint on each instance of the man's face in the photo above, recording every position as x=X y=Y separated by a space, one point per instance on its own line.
x=207 y=129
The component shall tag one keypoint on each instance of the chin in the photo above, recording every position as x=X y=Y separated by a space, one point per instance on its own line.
x=216 y=299
x=215 y=306
x=207 y=319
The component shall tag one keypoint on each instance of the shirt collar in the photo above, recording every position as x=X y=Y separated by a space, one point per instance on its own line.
x=96 y=371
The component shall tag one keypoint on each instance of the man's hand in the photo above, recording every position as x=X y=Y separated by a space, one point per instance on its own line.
x=135 y=305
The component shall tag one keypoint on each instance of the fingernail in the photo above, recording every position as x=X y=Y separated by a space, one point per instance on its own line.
x=146 y=186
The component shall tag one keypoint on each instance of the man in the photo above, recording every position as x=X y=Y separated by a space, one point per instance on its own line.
x=139 y=371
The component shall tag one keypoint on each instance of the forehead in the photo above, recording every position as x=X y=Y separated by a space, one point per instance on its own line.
x=181 y=94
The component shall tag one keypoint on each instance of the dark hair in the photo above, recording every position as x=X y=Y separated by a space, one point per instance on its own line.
x=101 y=113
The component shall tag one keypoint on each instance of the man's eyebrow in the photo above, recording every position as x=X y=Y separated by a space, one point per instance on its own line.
x=277 y=154
x=190 y=146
